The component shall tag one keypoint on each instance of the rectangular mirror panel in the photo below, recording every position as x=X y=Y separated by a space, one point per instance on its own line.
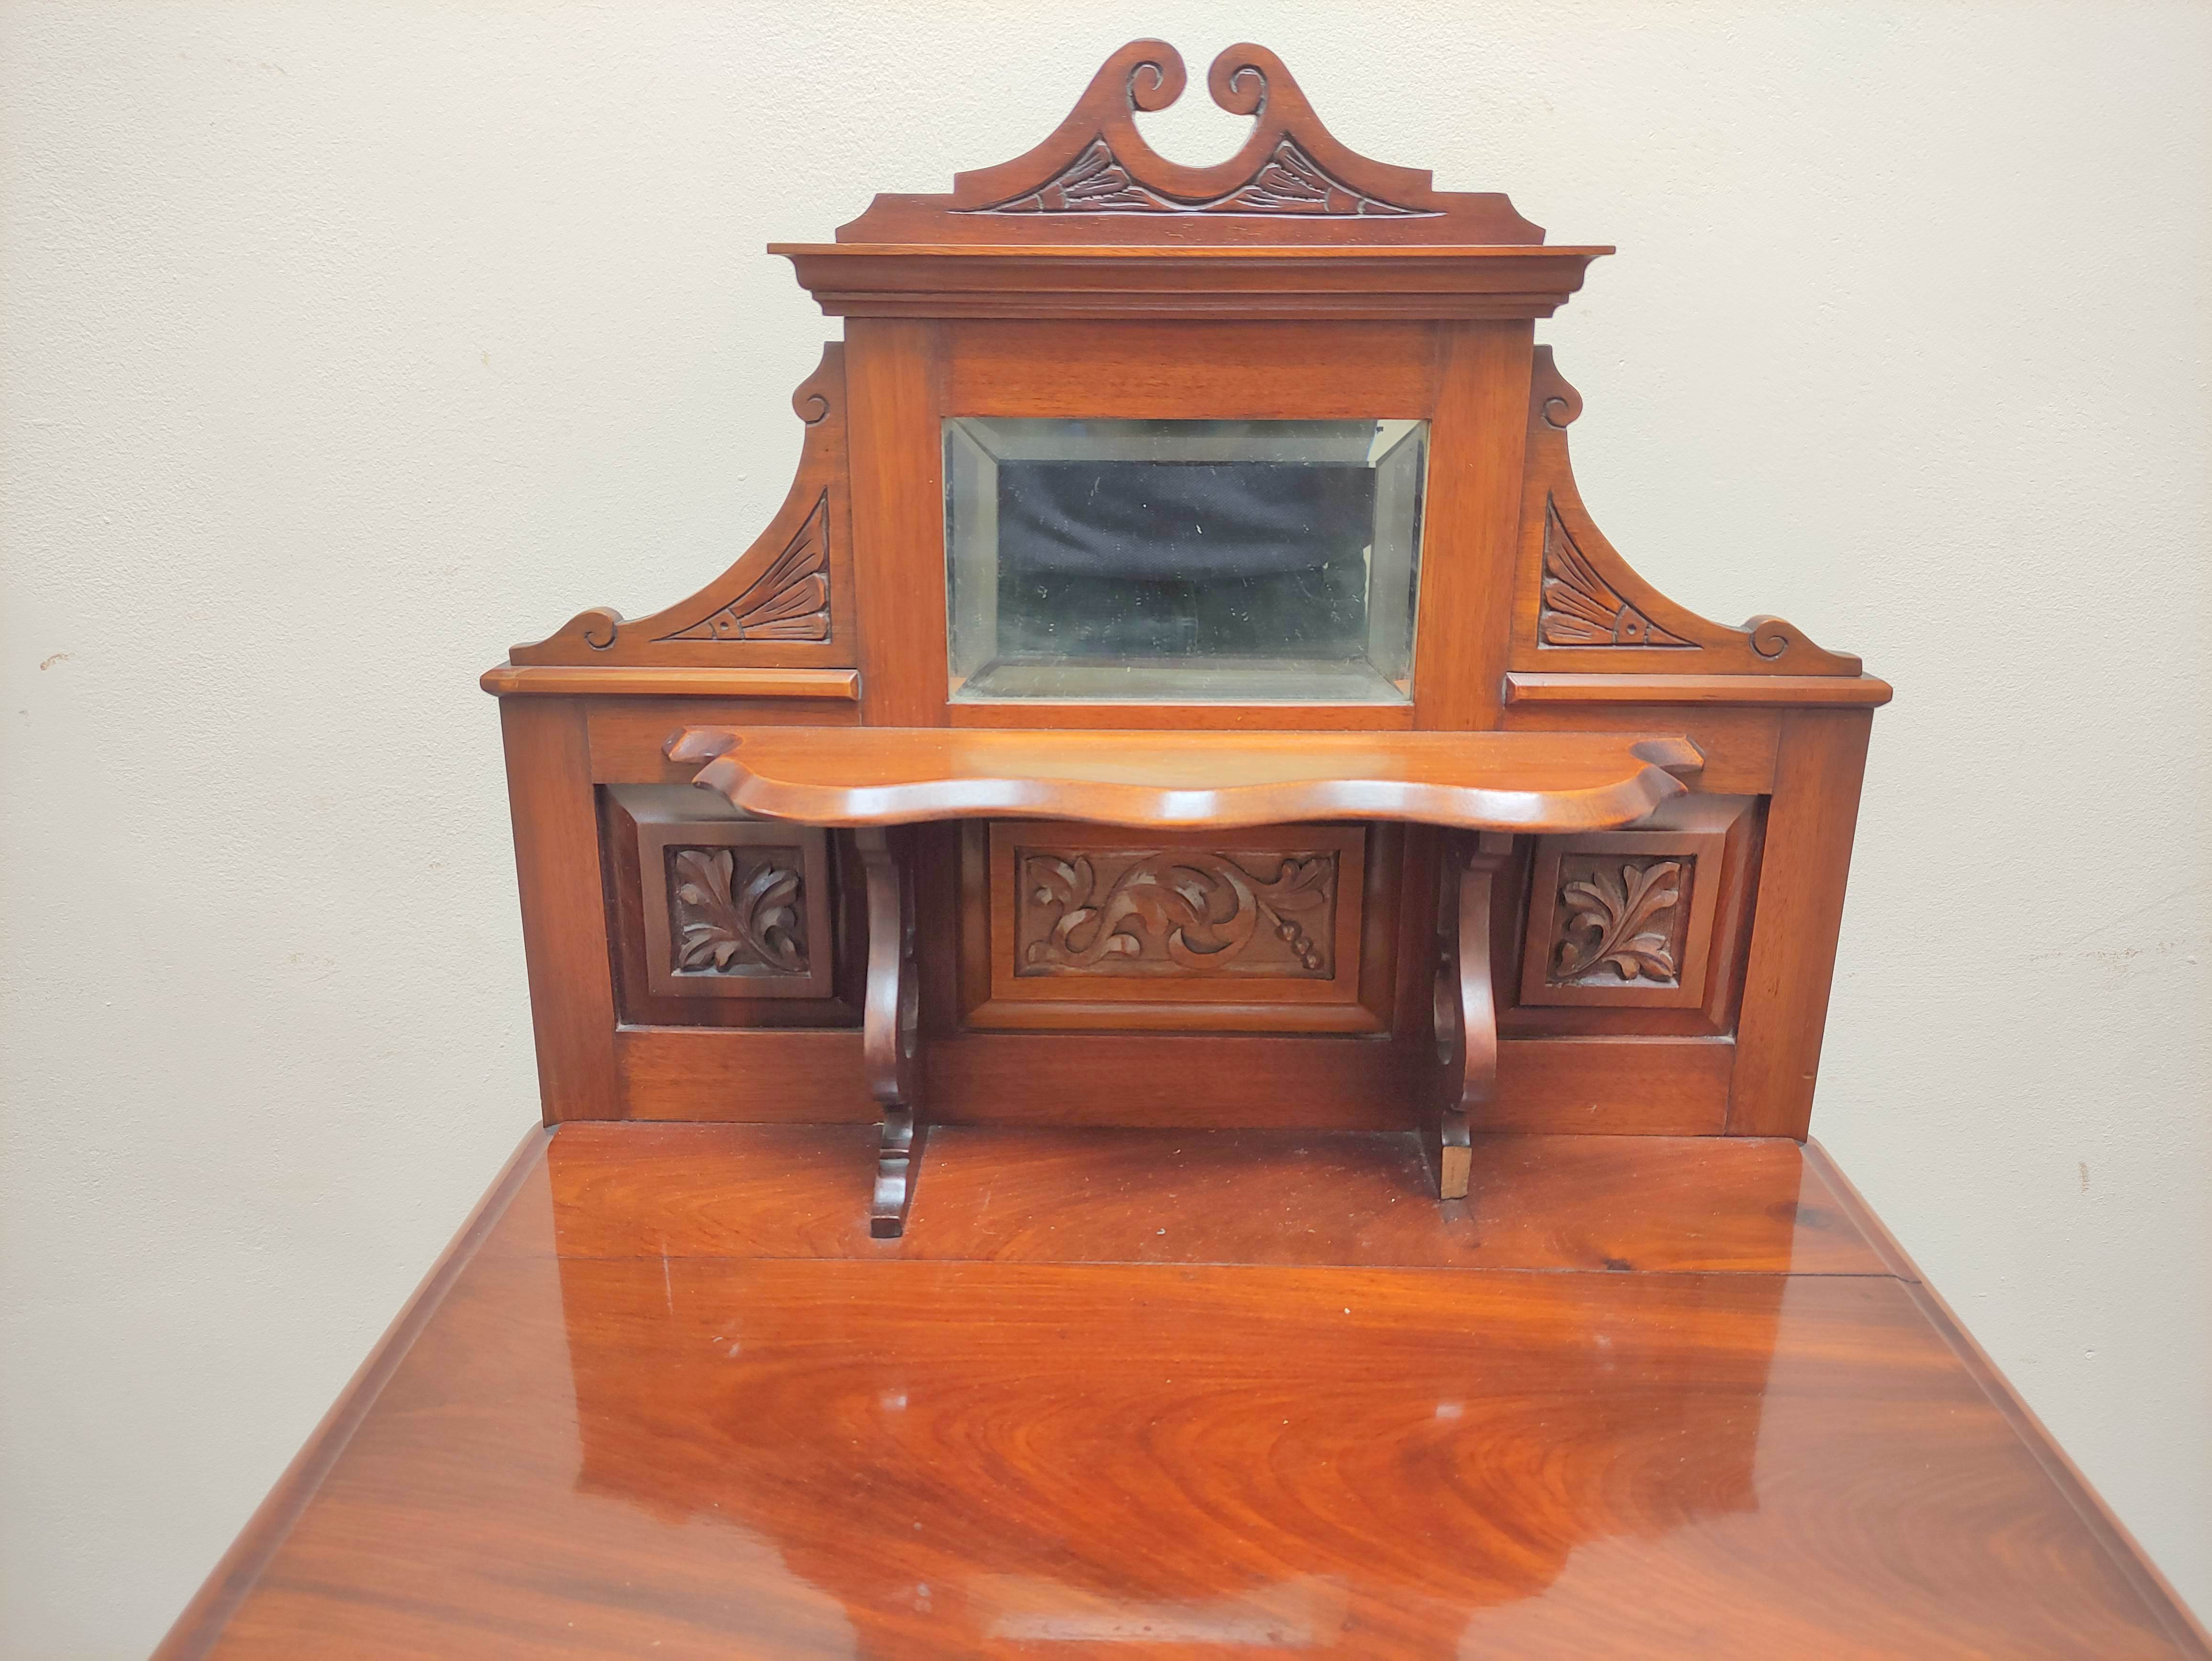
x=1180 y=561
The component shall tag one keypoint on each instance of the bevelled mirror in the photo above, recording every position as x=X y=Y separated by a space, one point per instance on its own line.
x=1177 y=562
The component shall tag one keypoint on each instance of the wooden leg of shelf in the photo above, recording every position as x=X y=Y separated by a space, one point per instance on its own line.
x=895 y=1163
x=890 y=1032
x=1466 y=1010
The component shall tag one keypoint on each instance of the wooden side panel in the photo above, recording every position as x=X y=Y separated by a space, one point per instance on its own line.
x=1612 y=1086
x=1477 y=440
x=1738 y=744
x=564 y=914
x=1800 y=913
x=898 y=520
x=629 y=737
x=748 y=1077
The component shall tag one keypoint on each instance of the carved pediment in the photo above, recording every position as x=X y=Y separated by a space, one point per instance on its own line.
x=1290 y=181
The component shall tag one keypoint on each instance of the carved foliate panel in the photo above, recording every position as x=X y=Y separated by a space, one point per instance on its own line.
x=1626 y=918
x=1240 y=931
x=1176 y=911
x=1618 y=920
x=735 y=909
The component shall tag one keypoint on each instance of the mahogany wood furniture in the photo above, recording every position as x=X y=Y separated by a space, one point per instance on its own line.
x=1311 y=970
x=1192 y=1393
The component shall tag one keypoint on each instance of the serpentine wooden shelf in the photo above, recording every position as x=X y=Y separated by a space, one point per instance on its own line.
x=1515 y=782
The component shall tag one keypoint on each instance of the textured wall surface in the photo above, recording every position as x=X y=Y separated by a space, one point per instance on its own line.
x=341 y=345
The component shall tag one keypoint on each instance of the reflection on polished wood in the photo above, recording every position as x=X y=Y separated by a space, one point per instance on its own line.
x=860 y=776
x=1633 y=1396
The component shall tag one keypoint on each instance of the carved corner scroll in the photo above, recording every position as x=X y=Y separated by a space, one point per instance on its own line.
x=1290 y=175
x=786 y=603
x=1580 y=607
x=890 y=1030
x=1465 y=1008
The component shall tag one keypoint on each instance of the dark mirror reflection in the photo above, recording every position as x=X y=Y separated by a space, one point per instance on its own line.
x=1183 y=561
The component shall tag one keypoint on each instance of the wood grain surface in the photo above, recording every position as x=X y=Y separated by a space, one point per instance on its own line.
x=653 y=1406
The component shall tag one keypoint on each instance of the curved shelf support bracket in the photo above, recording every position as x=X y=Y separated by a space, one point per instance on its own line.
x=1466 y=1009
x=891 y=1032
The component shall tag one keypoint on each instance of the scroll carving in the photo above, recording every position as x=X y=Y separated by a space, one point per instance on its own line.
x=790 y=601
x=780 y=604
x=1290 y=172
x=1288 y=182
x=1619 y=922
x=1582 y=607
x=728 y=918
x=1180 y=911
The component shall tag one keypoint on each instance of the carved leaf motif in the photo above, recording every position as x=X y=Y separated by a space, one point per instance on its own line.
x=1606 y=923
x=1580 y=608
x=756 y=927
x=1198 y=910
x=790 y=601
x=1288 y=182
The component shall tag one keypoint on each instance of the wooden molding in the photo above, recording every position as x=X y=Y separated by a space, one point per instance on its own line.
x=1578 y=606
x=787 y=600
x=507 y=680
x=1222 y=283
x=1526 y=687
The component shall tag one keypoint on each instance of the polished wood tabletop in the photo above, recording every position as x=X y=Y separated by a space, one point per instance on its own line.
x=1177 y=1393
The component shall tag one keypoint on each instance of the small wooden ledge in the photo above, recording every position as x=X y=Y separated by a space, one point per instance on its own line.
x=617 y=680
x=1808 y=690
x=860 y=776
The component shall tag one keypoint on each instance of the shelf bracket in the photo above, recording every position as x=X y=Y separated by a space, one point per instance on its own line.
x=1465 y=1008
x=891 y=1032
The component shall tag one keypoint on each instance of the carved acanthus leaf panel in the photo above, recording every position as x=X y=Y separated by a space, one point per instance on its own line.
x=1619 y=922
x=790 y=601
x=737 y=911
x=1289 y=181
x=1176 y=911
x=1580 y=607
x=1627 y=920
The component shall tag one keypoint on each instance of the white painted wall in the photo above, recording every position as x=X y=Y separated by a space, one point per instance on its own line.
x=342 y=345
